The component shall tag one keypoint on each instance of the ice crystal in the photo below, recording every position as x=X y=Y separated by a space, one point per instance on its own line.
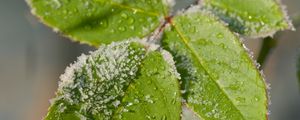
x=97 y=81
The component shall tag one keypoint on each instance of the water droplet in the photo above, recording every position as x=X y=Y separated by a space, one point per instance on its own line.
x=125 y=110
x=149 y=19
x=141 y=20
x=75 y=10
x=148 y=99
x=148 y=117
x=57 y=3
x=250 y=17
x=183 y=91
x=129 y=104
x=256 y=98
x=87 y=4
x=130 y=20
x=124 y=15
x=262 y=22
x=241 y=82
x=132 y=27
x=104 y=23
x=164 y=117
x=112 y=31
x=193 y=29
x=122 y=29
x=46 y=13
x=234 y=87
x=241 y=99
x=134 y=11
x=220 y=35
x=136 y=101
x=65 y=11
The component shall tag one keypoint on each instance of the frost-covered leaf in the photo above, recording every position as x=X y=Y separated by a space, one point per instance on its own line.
x=101 y=21
x=118 y=81
x=254 y=18
x=219 y=79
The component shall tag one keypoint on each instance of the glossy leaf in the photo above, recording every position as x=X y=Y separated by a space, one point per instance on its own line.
x=118 y=81
x=101 y=21
x=219 y=79
x=254 y=18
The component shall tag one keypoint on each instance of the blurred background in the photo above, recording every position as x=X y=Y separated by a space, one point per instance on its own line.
x=32 y=57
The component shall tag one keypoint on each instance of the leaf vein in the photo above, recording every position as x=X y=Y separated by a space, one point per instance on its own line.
x=184 y=40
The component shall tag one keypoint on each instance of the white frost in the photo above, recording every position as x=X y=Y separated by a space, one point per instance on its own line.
x=169 y=59
x=98 y=80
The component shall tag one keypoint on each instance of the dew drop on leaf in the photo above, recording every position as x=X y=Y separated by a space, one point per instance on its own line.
x=220 y=35
x=130 y=20
x=124 y=15
x=122 y=29
x=134 y=11
x=241 y=100
x=164 y=118
x=104 y=23
x=57 y=3
x=250 y=17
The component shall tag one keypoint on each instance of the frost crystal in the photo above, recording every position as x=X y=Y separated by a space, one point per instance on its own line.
x=97 y=81
x=169 y=59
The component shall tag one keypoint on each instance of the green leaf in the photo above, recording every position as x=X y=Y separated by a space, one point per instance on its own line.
x=254 y=18
x=101 y=21
x=219 y=79
x=118 y=81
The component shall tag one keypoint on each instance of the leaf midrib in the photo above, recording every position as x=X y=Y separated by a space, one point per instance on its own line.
x=132 y=8
x=184 y=40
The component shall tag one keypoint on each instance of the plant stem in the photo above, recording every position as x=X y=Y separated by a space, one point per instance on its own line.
x=268 y=45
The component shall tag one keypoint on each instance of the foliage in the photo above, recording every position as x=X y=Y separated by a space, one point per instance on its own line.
x=158 y=65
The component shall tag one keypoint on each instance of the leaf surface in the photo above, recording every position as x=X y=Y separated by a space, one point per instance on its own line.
x=219 y=79
x=118 y=81
x=101 y=21
x=254 y=18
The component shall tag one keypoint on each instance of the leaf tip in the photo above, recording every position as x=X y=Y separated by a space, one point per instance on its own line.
x=287 y=18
